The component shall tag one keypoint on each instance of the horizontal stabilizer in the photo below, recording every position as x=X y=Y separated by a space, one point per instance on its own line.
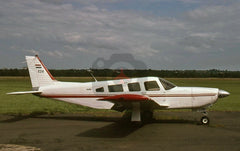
x=24 y=92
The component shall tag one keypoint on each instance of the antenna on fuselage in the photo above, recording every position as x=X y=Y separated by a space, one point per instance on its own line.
x=91 y=73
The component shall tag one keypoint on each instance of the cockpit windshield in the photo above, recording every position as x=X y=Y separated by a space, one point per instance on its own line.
x=166 y=84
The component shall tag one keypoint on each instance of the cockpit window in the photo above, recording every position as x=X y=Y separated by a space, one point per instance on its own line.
x=151 y=86
x=166 y=84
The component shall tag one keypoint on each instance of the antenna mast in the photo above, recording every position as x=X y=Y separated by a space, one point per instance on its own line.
x=91 y=73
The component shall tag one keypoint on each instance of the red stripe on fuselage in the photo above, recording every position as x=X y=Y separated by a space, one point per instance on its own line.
x=126 y=97
x=72 y=96
x=112 y=96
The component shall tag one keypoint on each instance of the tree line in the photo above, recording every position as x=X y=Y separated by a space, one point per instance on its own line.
x=130 y=73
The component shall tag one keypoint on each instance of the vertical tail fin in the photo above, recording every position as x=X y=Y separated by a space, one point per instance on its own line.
x=39 y=74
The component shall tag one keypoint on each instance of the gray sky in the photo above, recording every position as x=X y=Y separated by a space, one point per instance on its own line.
x=164 y=34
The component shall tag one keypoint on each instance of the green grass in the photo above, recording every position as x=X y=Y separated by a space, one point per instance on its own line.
x=30 y=104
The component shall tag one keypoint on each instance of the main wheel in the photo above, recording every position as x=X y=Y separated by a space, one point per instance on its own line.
x=147 y=116
x=205 y=120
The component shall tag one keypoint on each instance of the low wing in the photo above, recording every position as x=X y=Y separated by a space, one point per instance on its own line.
x=124 y=101
x=126 y=98
x=165 y=105
x=24 y=92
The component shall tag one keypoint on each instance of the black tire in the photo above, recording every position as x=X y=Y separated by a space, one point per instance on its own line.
x=147 y=116
x=205 y=120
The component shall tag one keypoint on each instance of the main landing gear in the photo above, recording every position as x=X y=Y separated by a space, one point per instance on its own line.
x=147 y=116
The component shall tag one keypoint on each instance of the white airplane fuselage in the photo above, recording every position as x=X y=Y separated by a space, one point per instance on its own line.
x=85 y=94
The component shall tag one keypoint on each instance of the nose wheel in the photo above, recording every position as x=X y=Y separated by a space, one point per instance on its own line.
x=205 y=120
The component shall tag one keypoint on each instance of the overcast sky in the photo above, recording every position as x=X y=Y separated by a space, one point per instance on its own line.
x=164 y=34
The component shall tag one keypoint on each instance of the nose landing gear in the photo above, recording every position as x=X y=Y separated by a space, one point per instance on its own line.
x=204 y=120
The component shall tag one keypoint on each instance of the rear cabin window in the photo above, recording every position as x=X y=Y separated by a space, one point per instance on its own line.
x=101 y=89
x=115 y=88
x=134 y=86
x=151 y=86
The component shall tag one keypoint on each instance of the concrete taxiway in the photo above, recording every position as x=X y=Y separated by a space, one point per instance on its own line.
x=171 y=131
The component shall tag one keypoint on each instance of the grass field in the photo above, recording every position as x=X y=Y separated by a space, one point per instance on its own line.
x=29 y=104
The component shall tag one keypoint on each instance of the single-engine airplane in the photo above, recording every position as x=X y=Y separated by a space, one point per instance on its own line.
x=141 y=95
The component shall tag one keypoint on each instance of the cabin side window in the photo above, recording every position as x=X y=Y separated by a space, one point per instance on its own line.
x=101 y=89
x=115 y=88
x=134 y=86
x=151 y=86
